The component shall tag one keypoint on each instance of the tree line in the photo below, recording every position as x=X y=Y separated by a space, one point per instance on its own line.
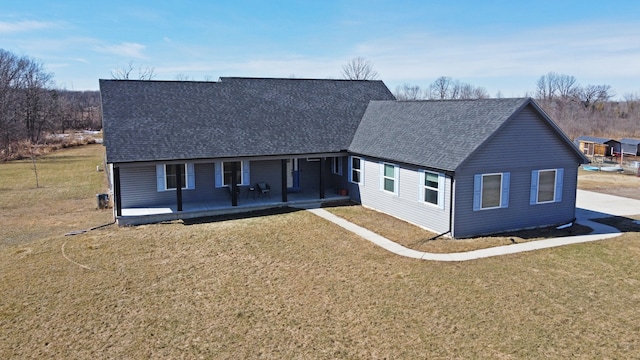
x=31 y=107
x=578 y=110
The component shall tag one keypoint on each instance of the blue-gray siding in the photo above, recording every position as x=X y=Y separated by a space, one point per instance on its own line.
x=524 y=144
x=139 y=189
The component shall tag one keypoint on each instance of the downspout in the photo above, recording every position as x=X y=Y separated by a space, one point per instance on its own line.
x=450 y=211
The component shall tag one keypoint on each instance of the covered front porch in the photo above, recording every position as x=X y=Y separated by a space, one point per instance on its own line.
x=155 y=192
x=191 y=210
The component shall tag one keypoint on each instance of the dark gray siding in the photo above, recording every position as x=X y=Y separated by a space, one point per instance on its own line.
x=138 y=188
x=524 y=144
x=268 y=171
x=205 y=190
x=406 y=205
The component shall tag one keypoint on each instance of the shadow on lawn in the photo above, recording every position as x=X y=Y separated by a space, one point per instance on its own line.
x=244 y=215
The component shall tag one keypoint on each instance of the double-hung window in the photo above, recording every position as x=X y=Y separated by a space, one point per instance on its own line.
x=355 y=170
x=546 y=186
x=171 y=176
x=227 y=171
x=491 y=191
x=224 y=170
x=432 y=188
x=167 y=176
x=389 y=177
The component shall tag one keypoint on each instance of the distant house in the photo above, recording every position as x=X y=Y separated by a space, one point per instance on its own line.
x=630 y=146
x=190 y=149
x=596 y=146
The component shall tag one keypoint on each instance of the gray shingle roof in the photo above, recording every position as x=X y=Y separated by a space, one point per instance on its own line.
x=594 y=139
x=163 y=120
x=418 y=132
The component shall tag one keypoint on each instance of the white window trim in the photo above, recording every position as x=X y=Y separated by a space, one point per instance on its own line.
x=482 y=192
x=440 y=190
x=333 y=165
x=396 y=176
x=478 y=182
x=189 y=175
x=360 y=170
x=555 y=181
x=244 y=169
x=557 y=186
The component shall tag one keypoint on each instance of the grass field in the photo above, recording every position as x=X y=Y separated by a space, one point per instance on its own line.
x=286 y=285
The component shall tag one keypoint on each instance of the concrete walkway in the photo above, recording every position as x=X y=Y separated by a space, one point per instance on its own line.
x=590 y=205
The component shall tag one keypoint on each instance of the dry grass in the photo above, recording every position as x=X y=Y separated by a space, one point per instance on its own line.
x=416 y=238
x=25 y=149
x=293 y=286
x=64 y=201
x=625 y=185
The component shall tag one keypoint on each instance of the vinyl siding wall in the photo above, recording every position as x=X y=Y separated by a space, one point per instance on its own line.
x=525 y=144
x=139 y=188
x=407 y=204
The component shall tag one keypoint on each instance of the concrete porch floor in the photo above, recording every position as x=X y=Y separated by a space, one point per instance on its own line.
x=191 y=210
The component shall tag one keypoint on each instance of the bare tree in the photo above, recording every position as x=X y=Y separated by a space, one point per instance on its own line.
x=359 y=69
x=408 y=92
x=566 y=85
x=439 y=89
x=38 y=103
x=182 y=77
x=444 y=88
x=126 y=73
x=554 y=85
x=591 y=95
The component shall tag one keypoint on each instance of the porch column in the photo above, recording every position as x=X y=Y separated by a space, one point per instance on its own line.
x=116 y=190
x=179 y=186
x=283 y=167
x=323 y=163
x=234 y=183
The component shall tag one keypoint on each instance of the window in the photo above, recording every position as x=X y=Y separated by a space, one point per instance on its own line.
x=336 y=166
x=227 y=172
x=171 y=172
x=491 y=186
x=223 y=173
x=491 y=191
x=546 y=186
x=355 y=171
x=166 y=176
x=389 y=175
x=431 y=188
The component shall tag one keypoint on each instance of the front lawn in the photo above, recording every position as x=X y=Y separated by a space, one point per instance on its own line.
x=287 y=285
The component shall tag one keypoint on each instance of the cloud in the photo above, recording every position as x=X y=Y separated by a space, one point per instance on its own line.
x=125 y=49
x=609 y=50
x=24 y=26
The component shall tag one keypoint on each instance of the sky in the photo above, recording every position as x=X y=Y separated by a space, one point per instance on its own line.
x=503 y=46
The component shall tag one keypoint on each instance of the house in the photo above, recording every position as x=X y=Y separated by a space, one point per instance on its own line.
x=182 y=149
x=189 y=149
x=596 y=146
x=630 y=146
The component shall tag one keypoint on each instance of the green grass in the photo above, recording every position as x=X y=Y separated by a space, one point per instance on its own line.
x=291 y=285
